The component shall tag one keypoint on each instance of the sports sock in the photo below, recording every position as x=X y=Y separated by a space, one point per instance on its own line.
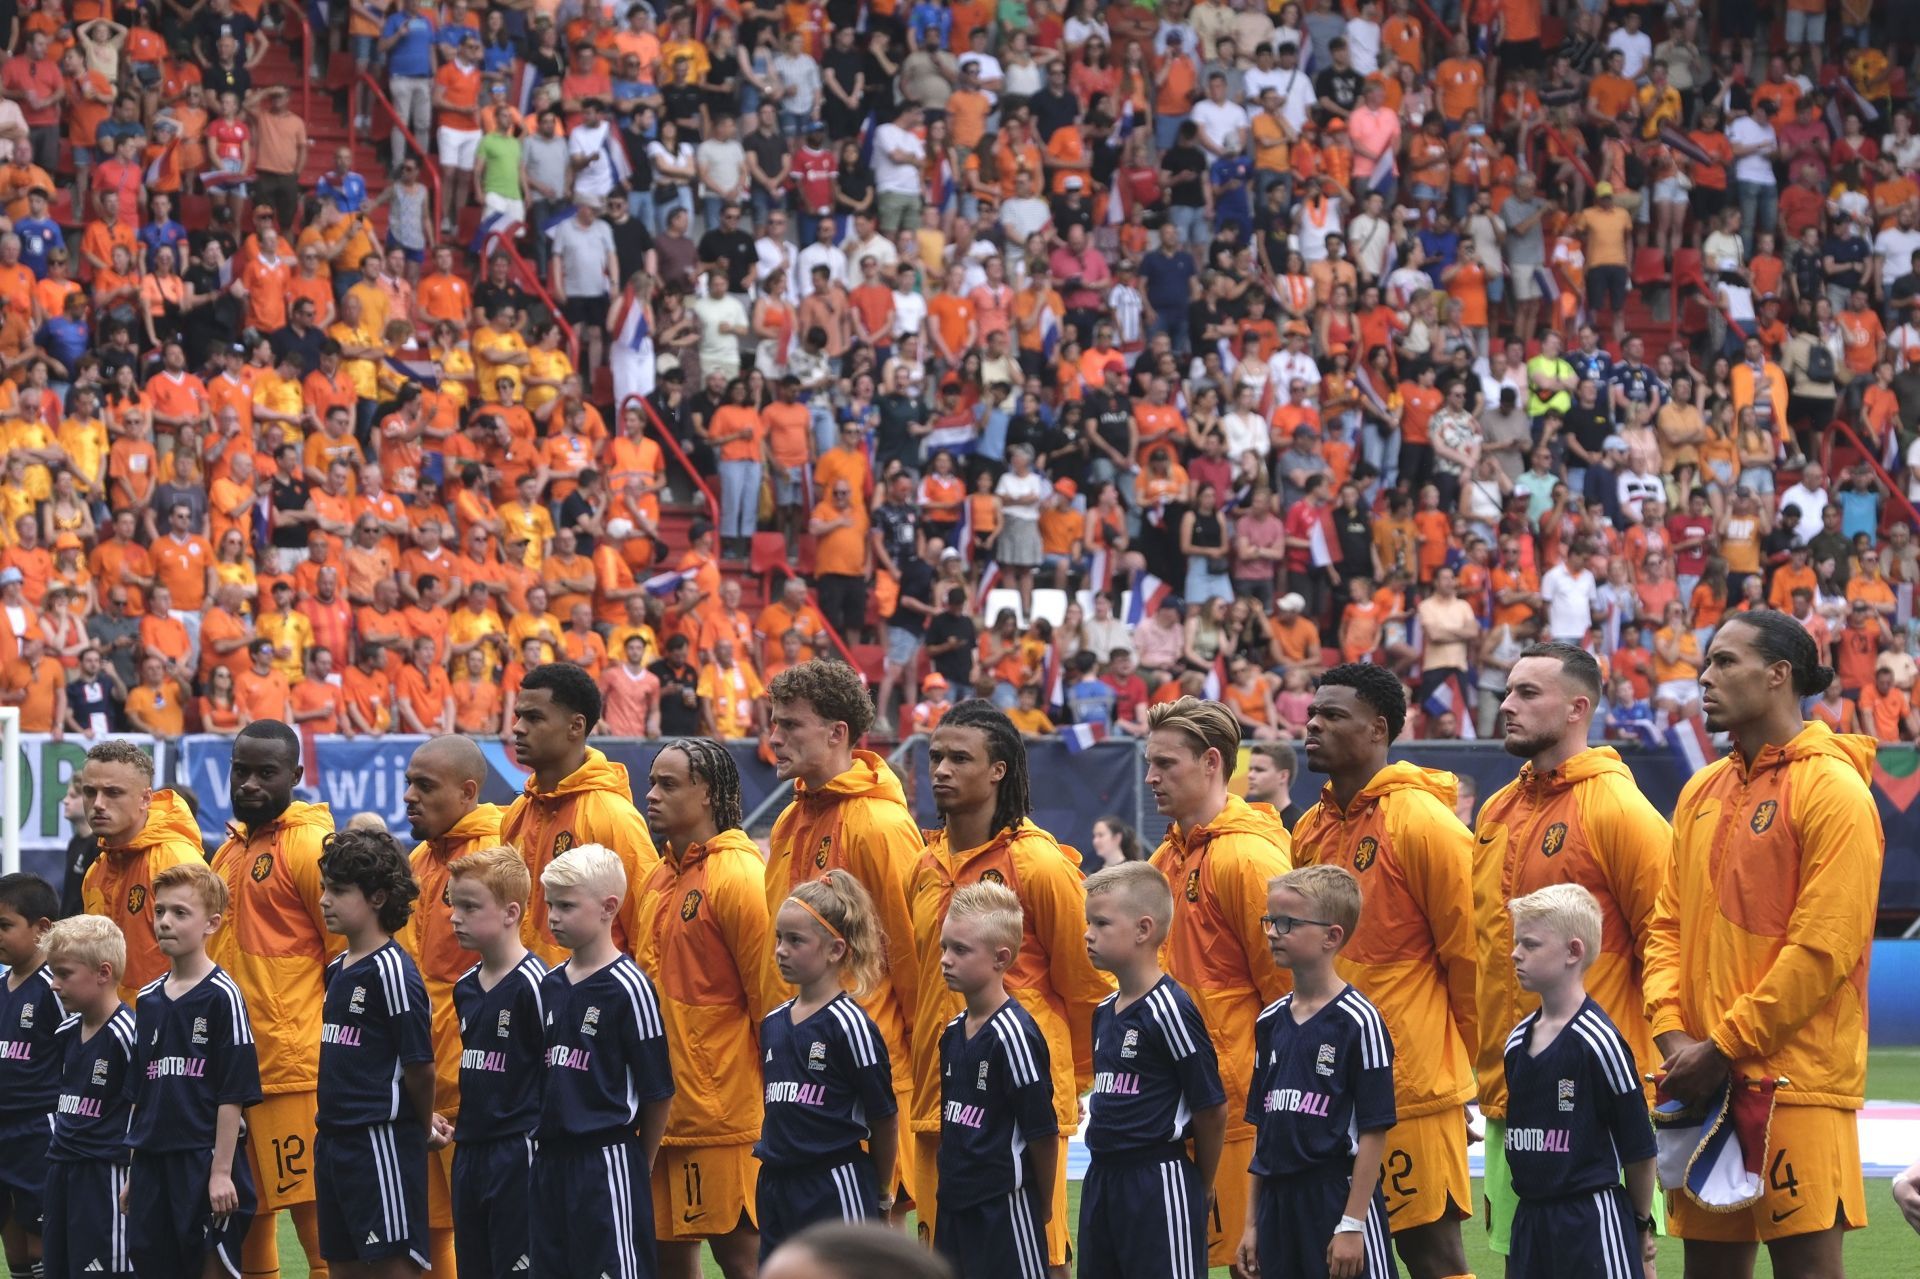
x=260 y=1252
x=306 y=1223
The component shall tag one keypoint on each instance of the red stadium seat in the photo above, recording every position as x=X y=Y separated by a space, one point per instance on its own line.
x=1649 y=267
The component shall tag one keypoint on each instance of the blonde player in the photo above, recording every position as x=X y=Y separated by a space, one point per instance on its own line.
x=142 y=831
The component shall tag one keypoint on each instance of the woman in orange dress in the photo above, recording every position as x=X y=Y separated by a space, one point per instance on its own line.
x=773 y=325
x=218 y=712
x=943 y=496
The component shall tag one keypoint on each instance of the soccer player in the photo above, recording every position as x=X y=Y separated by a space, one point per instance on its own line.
x=1413 y=952
x=1576 y=1109
x=574 y=796
x=501 y=1061
x=189 y=1198
x=142 y=831
x=87 y=1161
x=1156 y=1083
x=444 y=812
x=999 y=1136
x=1322 y=1097
x=1219 y=856
x=828 y=1081
x=30 y=1014
x=978 y=765
x=1573 y=816
x=275 y=949
x=607 y=1084
x=704 y=935
x=848 y=812
x=376 y=1066
x=1757 y=967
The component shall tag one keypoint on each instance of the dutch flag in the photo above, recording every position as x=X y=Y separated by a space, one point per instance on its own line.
x=664 y=584
x=1049 y=332
x=1691 y=743
x=1082 y=737
x=1452 y=696
x=1149 y=592
x=494 y=225
x=1053 y=677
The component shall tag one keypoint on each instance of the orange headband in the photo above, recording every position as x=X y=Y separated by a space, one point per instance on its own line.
x=822 y=919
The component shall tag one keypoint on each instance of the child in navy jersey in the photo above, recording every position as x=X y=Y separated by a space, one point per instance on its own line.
x=829 y=1082
x=1156 y=1083
x=997 y=1126
x=607 y=1084
x=498 y=1003
x=375 y=1097
x=84 y=1234
x=1576 y=1111
x=1321 y=1099
x=30 y=1017
x=189 y=1197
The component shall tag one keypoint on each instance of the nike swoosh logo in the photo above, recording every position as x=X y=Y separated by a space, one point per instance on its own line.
x=1487 y=839
x=1779 y=1217
x=284 y=1187
x=1701 y=816
x=687 y=1218
x=1397 y=1207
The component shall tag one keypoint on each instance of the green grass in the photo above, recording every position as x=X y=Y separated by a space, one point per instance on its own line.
x=1886 y=1247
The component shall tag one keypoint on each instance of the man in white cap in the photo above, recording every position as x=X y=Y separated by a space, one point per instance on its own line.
x=1295 y=634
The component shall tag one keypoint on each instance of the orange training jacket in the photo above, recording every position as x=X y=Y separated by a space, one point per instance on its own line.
x=429 y=938
x=859 y=821
x=275 y=942
x=702 y=933
x=1413 y=955
x=1051 y=976
x=1216 y=948
x=119 y=884
x=1762 y=932
x=591 y=805
x=1584 y=823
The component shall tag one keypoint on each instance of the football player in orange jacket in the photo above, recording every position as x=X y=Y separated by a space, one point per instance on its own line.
x=444 y=812
x=142 y=831
x=849 y=811
x=978 y=767
x=1413 y=955
x=1219 y=856
x=703 y=934
x=574 y=796
x=1573 y=816
x=1757 y=967
x=275 y=944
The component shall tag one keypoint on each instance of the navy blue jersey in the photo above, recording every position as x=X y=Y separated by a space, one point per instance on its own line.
x=996 y=1098
x=1594 y=366
x=826 y=1078
x=1153 y=1066
x=501 y=1052
x=1318 y=1084
x=90 y=1122
x=606 y=1053
x=374 y=1021
x=1575 y=1110
x=191 y=1056
x=30 y=1017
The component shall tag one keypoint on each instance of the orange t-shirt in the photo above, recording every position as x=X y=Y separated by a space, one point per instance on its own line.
x=462 y=92
x=1436 y=531
x=182 y=567
x=731 y=418
x=1461 y=80
x=264 y=696
x=371 y=695
x=789 y=429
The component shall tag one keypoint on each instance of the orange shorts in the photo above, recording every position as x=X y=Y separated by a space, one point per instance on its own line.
x=1424 y=1172
x=926 y=1192
x=1812 y=1183
x=703 y=1190
x=1229 y=1216
x=280 y=1141
x=440 y=1188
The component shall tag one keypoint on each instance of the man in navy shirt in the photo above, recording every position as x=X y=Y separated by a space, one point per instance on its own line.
x=39 y=234
x=1167 y=276
x=93 y=700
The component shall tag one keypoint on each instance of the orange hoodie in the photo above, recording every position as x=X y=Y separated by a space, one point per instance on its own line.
x=702 y=932
x=1051 y=976
x=591 y=805
x=859 y=821
x=274 y=941
x=119 y=884
x=1413 y=954
x=1216 y=947
x=429 y=938
x=1762 y=932
x=1584 y=823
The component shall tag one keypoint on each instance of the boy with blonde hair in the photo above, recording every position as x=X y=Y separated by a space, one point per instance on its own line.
x=1156 y=1082
x=87 y=1159
x=997 y=1126
x=1576 y=1111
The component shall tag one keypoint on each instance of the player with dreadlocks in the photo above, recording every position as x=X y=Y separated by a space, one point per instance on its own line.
x=978 y=765
x=700 y=929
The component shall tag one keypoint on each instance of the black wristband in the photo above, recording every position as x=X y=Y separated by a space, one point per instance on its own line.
x=1647 y=1225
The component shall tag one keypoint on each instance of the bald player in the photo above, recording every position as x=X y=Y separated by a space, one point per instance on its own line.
x=444 y=812
x=1573 y=816
x=142 y=831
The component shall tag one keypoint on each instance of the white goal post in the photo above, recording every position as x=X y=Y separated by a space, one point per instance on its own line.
x=10 y=817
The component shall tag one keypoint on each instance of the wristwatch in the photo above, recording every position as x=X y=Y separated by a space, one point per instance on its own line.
x=1647 y=1224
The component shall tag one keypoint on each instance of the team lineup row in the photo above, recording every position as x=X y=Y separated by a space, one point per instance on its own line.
x=1731 y=944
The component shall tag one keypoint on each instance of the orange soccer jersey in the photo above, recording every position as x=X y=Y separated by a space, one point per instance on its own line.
x=428 y=937
x=119 y=884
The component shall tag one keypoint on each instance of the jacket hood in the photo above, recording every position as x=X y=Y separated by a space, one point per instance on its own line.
x=1595 y=761
x=1816 y=739
x=868 y=777
x=169 y=821
x=598 y=773
x=482 y=822
x=1402 y=776
x=727 y=841
x=1242 y=818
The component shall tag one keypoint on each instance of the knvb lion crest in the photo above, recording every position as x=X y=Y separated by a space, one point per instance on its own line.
x=562 y=842
x=1763 y=814
x=1554 y=840
x=136 y=899
x=691 y=906
x=1193 y=885
x=1367 y=853
x=262 y=867
x=820 y=853
x=993 y=877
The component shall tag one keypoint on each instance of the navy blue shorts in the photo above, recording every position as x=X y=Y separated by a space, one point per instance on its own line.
x=491 y=1236
x=23 y=1173
x=370 y=1188
x=998 y=1239
x=171 y=1230
x=1143 y=1220
x=595 y=1209
x=791 y=1199
x=1297 y=1217
x=85 y=1235
x=1589 y=1236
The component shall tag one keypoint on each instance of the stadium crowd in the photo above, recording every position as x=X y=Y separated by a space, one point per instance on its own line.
x=1279 y=337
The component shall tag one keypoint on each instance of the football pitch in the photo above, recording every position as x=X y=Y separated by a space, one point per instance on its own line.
x=1885 y=1247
